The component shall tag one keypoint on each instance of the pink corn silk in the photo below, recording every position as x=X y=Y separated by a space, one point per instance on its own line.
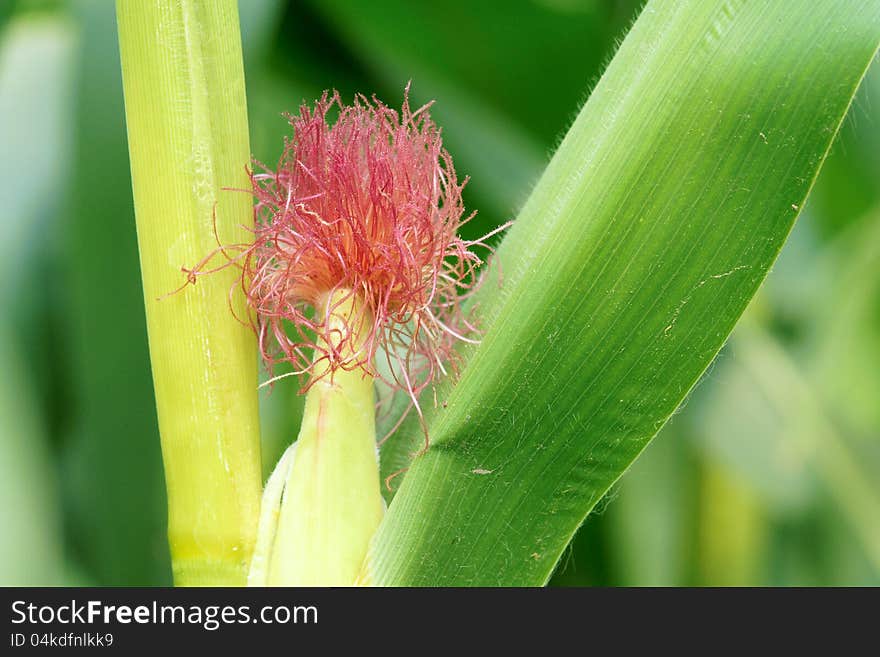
x=370 y=205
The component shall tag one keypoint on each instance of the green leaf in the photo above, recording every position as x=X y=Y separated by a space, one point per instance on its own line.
x=120 y=539
x=650 y=516
x=495 y=50
x=846 y=340
x=806 y=436
x=650 y=230
x=33 y=109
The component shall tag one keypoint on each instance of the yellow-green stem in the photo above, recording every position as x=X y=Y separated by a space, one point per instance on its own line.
x=188 y=137
x=732 y=529
x=317 y=533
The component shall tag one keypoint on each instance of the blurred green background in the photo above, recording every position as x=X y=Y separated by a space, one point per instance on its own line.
x=768 y=475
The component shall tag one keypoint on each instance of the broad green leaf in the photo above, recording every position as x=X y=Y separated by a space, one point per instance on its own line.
x=650 y=230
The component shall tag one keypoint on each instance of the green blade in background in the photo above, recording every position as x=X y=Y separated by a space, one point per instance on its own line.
x=35 y=157
x=114 y=445
x=651 y=514
x=651 y=229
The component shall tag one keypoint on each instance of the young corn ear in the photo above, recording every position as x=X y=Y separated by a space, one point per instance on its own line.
x=322 y=503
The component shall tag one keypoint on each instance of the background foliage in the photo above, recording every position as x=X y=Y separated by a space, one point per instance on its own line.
x=767 y=475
